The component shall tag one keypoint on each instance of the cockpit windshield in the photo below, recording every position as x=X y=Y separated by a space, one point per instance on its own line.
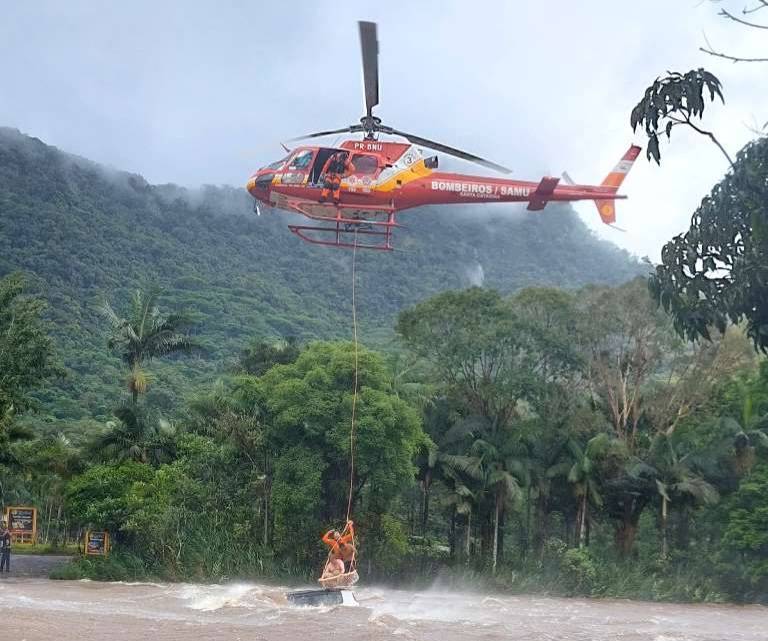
x=278 y=164
x=302 y=159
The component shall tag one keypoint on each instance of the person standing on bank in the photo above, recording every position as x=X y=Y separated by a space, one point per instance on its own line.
x=5 y=548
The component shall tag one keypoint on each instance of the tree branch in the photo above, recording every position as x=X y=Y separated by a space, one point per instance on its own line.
x=762 y=4
x=725 y=14
x=711 y=136
x=731 y=58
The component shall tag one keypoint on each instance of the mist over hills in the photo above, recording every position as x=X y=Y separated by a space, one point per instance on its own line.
x=85 y=233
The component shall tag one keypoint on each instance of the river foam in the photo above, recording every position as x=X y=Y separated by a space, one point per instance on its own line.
x=38 y=610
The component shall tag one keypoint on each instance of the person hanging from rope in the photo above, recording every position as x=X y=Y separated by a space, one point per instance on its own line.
x=337 y=168
x=342 y=551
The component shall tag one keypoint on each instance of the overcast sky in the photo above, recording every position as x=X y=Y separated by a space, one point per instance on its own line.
x=202 y=92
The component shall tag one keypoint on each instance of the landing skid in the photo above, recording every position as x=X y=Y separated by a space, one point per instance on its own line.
x=342 y=225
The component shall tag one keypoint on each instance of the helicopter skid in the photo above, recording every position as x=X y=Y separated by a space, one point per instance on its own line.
x=346 y=235
x=345 y=224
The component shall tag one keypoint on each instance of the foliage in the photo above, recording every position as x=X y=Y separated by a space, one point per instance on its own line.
x=715 y=273
x=260 y=355
x=747 y=530
x=159 y=510
x=297 y=494
x=140 y=435
x=674 y=100
x=27 y=356
x=579 y=570
x=310 y=402
x=119 y=566
x=146 y=334
x=99 y=498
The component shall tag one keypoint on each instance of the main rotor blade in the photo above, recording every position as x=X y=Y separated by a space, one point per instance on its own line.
x=437 y=146
x=370 y=46
x=318 y=134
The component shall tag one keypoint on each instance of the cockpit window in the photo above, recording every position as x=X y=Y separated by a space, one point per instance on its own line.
x=302 y=159
x=278 y=164
x=365 y=164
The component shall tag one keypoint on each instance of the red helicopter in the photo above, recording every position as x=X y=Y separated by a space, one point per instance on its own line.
x=358 y=187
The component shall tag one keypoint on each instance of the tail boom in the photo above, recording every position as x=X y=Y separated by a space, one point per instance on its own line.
x=606 y=207
x=447 y=188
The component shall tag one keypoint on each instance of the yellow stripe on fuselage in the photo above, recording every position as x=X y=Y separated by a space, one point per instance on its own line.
x=414 y=172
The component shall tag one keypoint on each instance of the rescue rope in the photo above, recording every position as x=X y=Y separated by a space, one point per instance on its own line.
x=353 y=560
x=354 y=385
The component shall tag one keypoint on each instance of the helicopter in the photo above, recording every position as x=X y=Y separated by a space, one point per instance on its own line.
x=380 y=179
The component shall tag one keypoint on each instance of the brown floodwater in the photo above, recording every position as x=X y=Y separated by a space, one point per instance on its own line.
x=38 y=609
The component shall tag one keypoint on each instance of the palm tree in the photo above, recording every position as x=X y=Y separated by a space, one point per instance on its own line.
x=437 y=418
x=146 y=334
x=746 y=433
x=463 y=501
x=583 y=473
x=497 y=461
x=10 y=433
x=140 y=435
x=675 y=477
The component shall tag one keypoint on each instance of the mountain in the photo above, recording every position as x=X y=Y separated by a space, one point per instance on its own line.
x=86 y=233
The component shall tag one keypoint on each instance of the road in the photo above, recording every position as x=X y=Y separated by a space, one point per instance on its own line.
x=33 y=565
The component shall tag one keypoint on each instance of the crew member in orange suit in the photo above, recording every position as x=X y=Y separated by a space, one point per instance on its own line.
x=338 y=167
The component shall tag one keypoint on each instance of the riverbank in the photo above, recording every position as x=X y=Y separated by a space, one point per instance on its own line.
x=576 y=574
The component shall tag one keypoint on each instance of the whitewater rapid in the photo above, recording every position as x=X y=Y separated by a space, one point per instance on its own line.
x=37 y=610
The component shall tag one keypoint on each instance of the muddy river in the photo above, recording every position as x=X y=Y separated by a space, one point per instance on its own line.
x=38 y=609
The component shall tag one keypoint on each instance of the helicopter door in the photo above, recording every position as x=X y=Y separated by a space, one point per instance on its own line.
x=323 y=154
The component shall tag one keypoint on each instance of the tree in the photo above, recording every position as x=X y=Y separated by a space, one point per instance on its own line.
x=100 y=496
x=675 y=100
x=49 y=462
x=27 y=359
x=260 y=355
x=496 y=461
x=556 y=398
x=583 y=473
x=747 y=530
x=689 y=374
x=463 y=499
x=717 y=271
x=473 y=341
x=677 y=478
x=476 y=346
x=27 y=354
x=745 y=429
x=297 y=497
x=139 y=435
x=146 y=334
x=233 y=415
x=309 y=402
x=624 y=339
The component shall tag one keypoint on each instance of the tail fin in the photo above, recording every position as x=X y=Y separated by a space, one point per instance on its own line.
x=607 y=207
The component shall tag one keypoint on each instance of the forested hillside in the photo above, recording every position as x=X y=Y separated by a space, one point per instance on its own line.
x=85 y=234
